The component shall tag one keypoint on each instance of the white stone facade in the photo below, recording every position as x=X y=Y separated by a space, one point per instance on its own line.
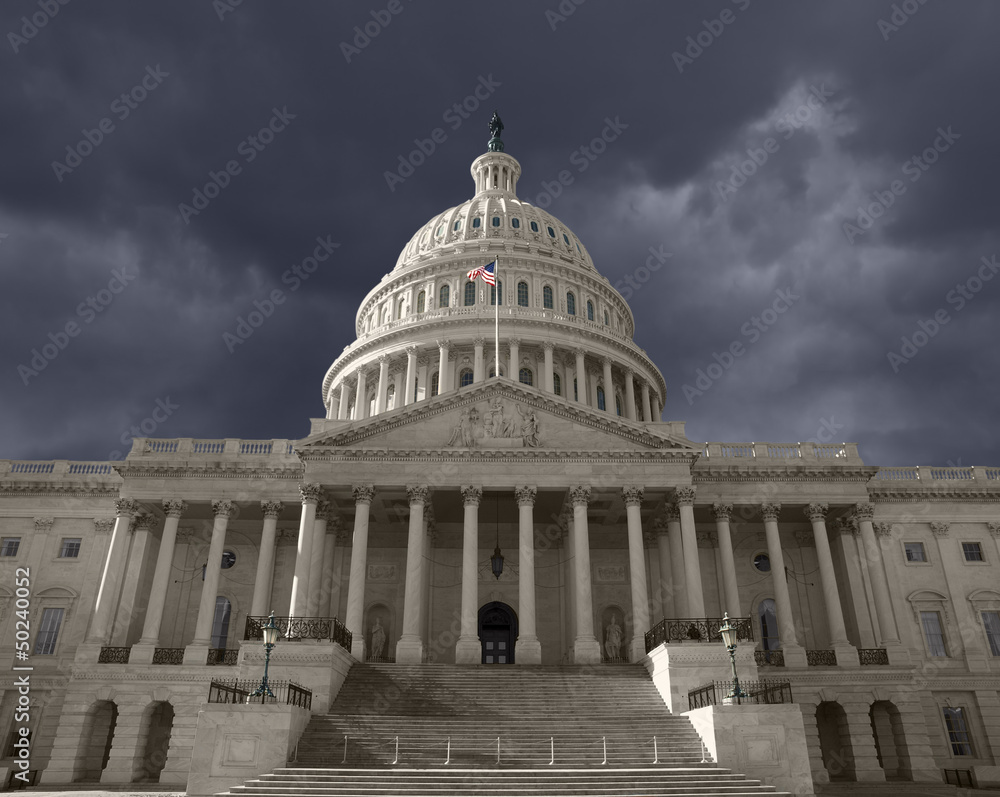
x=878 y=587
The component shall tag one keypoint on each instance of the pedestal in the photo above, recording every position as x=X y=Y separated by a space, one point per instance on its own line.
x=528 y=651
x=143 y=654
x=409 y=651
x=468 y=651
x=196 y=654
x=586 y=650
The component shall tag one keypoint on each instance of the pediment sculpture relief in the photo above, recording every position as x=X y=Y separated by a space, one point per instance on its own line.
x=497 y=426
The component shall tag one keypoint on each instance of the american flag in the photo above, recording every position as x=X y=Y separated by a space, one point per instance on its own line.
x=487 y=272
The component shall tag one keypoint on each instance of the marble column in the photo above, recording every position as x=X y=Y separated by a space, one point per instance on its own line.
x=566 y=527
x=124 y=628
x=345 y=401
x=678 y=581
x=794 y=653
x=468 y=649
x=410 y=387
x=397 y=386
x=197 y=651
x=150 y=638
x=970 y=626
x=260 y=605
x=586 y=648
x=581 y=377
x=731 y=590
x=299 y=602
x=361 y=396
x=548 y=382
x=443 y=384
x=630 y=395
x=666 y=593
x=363 y=495
x=315 y=595
x=410 y=648
x=514 y=366
x=383 y=383
x=341 y=536
x=637 y=566
x=877 y=576
x=647 y=410
x=111 y=577
x=692 y=561
x=529 y=649
x=846 y=652
x=429 y=537
x=478 y=363
x=609 y=387
x=594 y=378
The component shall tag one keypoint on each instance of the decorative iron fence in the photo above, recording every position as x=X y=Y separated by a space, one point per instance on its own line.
x=705 y=629
x=873 y=656
x=383 y=659
x=821 y=658
x=168 y=656
x=769 y=658
x=761 y=692
x=295 y=628
x=242 y=691
x=227 y=657
x=113 y=655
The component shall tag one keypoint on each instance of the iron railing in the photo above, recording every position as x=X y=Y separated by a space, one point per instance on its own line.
x=113 y=655
x=821 y=658
x=294 y=628
x=385 y=658
x=242 y=691
x=168 y=656
x=705 y=629
x=769 y=658
x=228 y=657
x=606 y=659
x=761 y=692
x=873 y=656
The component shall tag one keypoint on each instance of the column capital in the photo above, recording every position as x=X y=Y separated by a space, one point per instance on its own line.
x=994 y=529
x=722 y=511
x=940 y=529
x=882 y=529
x=513 y=341
x=707 y=539
x=660 y=525
x=271 y=508
x=649 y=539
x=174 y=507
x=864 y=511
x=816 y=511
x=479 y=342
x=223 y=508
x=44 y=524
x=418 y=493
x=525 y=495
x=310 y=492
x=672 y=513
x=770 y=511
x=548 y=345
x=632 y=495
x=472 y=495
x=324 y=510
x=443 y=343
x=848 y=525
x=103 y=525
x=685 y=496
x=363 y=493
x=126 y=506
x=411 y=351
x=382 y=358
x=580 y=495
x=145 y=522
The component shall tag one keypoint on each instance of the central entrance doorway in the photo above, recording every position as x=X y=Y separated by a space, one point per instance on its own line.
x=497 y=633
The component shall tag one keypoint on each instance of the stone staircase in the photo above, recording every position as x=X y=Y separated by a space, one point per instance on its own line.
x=443 y=729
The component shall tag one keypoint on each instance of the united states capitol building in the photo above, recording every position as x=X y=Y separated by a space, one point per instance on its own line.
x=450 y=509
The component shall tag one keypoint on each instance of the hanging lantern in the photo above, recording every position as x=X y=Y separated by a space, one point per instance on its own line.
x=497 y=562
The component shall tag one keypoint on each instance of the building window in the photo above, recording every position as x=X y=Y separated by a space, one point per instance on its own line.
x=762 y=563
x=48 y=632
x=590 y=310
x=445 y=295
x=973 y=552
x=70 y=548
x=416 y=388
x=9 y=546
x=493 y=292
x=385 y=315
x=434 y=384
x=390 y=397
x=552 y=233
x=547 y=297
x=228 y=559
x=915 y=552
x=515 y=222
x=933 y=633
x=13 y=737
x=476 y=223
x=496 y=221
x=350 y=411
x=522 y=294
x=557 y=384
x=421 y=301
x=399 y=308
x=570 y=303
x=493 y=371
x=618 y=404
x=465 y=378
x=606 y=318
x=958 y=731
x=991 y=622
x=534 y=226
x=600 y=397
x=566 y=239
x=576 y=392
x=220 y=623
x=457 y=225
x=470 y=294
x=526 y=377
x=768 y=625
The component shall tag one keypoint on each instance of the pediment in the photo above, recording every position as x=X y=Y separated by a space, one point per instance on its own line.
x=498 y=417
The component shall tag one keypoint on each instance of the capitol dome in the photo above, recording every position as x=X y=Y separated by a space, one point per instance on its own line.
x=426 y=329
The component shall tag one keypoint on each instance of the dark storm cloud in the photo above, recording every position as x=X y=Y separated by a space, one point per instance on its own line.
x=341 y=117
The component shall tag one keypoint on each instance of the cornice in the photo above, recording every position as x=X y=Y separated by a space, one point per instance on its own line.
x=822 y=471
x=213 y=470
x=434 y=455
x=899 y=495
x=33 y=488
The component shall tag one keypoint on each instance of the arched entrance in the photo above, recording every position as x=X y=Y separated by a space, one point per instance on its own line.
x=890 y=740
x=96 y=740
x=158 y=721
x=835 y=741
x=497 y=633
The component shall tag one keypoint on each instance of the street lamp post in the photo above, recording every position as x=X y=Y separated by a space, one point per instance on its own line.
x=270 y=634
x=729 y=640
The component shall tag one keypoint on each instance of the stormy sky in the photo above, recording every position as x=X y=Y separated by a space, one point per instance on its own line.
x=817 y=180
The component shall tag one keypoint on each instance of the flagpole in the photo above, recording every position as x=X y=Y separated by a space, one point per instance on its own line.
x=496 y=276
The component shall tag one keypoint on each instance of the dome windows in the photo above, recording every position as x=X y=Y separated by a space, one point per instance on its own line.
x=566 y=239
x=607 y=320
x=618 y=404
x=552 y=233
x=465 y=377
x=515 y=223
x=458 y=225
x=526 y=377
x=522 y=294
x=590 y=310
x=440 y=230
x=445 y=296
x=421 y=301
x=534 y=226
x=557 y=384
x=470 y=294
x=493 y=292
x=547 y=297
x=477 y=223
x=435 y=381
x=496 y=221
x=600 y=398
x=570 y=303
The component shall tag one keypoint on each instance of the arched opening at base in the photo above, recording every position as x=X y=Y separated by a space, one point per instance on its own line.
x=890 y=740
x=835 y=741
x=95 y=742
x=497 y=633
x=157 y=722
